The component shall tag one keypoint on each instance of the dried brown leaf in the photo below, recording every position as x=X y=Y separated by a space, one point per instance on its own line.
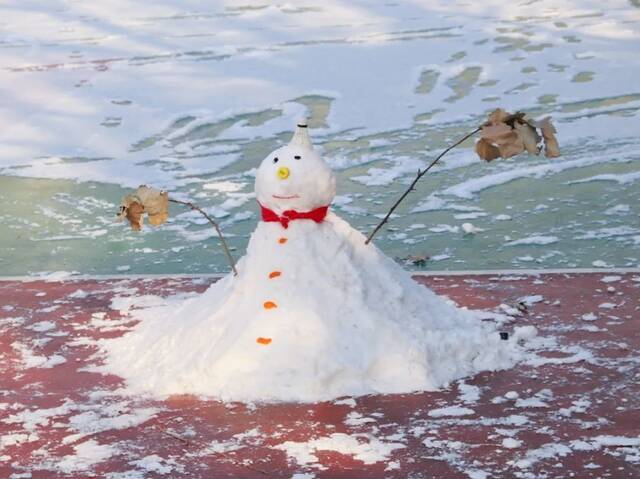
x=151 y=201
x=511 y=134
x=124 y=205
x=158 y=219
x=551 y=146
x=497 y=134
x=134 y=214
x=156 y=204
x=505 y=138
x=486 y=151
x=498 y=116
x=529 y=136
x=513 y=147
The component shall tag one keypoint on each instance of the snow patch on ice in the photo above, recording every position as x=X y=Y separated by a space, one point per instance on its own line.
x=42 y=326
x=468 y=392
x=589 y=317
x=611 y=278
x=451 y=411
x=581 y=355
x=530 y=300
x=470 y=229
x=78 y=294
x=539 y=400
x=534 y=240
x=469 y=188
x=356 y=419
x=154 y=463
x=87 y=455
x=345 y=402
x=621 y=179
x=511 y=443
x=619 y=209
x=546 y=451
x=363 y=447
x=32 y=360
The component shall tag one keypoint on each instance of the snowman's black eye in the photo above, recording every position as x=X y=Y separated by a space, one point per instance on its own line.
x=275 y=160
x=297 y=157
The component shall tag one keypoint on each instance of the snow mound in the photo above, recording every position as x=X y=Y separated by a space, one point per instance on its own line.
x=340 y=319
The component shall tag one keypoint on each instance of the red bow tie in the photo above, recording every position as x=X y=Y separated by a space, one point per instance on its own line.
x=316 y=215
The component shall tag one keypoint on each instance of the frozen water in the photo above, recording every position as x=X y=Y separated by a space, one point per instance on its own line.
x=190 y=96
x=313 y=314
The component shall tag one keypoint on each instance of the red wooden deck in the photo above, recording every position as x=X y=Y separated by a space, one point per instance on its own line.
x=571 y=411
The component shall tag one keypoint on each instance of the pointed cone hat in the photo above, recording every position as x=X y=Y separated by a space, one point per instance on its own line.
x=301 y=136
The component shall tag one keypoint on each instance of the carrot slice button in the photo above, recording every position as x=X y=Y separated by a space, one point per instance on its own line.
x=269 y=305
x=274 y=274
x=263 y=341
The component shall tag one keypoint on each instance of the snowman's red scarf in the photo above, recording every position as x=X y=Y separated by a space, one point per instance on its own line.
x=316 y=215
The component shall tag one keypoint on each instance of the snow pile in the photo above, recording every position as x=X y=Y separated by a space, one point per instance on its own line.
x=314 y=314
x=348 y=321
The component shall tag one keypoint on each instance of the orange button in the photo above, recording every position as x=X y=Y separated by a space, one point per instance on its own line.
x=282 y=240
x=274 y=274
x=269 y=305
x=263 y=341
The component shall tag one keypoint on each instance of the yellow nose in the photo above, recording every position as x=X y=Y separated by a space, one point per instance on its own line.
x=283 y=172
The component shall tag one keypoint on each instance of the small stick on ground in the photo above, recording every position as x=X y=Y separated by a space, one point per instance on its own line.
x=217 y=228
x=413 y=184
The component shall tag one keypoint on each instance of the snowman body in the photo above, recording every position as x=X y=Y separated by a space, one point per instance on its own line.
x=313 y=314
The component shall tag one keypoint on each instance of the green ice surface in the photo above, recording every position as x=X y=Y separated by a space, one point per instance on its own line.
x=56 y=224
x=52 y=225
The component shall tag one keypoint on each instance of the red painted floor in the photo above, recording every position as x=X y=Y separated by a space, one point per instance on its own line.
x=573 y=410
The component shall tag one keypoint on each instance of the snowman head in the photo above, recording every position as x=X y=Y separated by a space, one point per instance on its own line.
x=294 y=177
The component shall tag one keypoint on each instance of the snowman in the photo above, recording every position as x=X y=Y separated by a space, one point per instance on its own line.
x=313 y=314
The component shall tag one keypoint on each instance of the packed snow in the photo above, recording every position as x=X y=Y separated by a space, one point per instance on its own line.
x=313 y=314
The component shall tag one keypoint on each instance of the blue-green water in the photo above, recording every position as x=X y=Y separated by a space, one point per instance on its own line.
x=52 y=225
x=97 y=101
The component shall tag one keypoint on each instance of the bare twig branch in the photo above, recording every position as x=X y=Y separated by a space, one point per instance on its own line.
x=217 y=228
x=415 y=181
